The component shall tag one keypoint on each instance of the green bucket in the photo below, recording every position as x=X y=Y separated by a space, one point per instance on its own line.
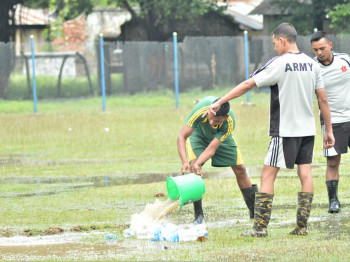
x=188 y=187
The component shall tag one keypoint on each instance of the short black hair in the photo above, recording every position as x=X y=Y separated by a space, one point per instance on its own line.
x=224 y=108
x=319 y=35
x=286 y=30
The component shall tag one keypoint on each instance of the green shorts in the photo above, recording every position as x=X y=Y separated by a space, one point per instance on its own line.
x=227 y=154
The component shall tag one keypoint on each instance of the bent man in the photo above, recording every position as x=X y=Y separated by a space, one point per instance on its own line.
x=212 y=137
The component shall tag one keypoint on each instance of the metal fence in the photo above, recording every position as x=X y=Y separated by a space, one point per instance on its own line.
x=65 y=71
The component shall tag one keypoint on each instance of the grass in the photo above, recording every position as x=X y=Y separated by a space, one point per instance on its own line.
x=73 y=87
x=53 y=167
x=142 y=128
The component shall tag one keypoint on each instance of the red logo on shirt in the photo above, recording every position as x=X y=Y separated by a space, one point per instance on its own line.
x=343 y=69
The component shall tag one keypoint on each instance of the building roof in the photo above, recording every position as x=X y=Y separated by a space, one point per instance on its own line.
x=240 y=11
x=29 y=16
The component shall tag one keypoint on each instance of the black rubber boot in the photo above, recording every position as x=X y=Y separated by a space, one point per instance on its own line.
x=262 y=214
x=198 y=212
x=334 y=204
x=249 y=198
x=303 y=213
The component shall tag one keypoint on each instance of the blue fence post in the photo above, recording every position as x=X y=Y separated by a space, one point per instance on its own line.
x=102 y=73
x=175 y=70
x=246 y=60
x=33 y=70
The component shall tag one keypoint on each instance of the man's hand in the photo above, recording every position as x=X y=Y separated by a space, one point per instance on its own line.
x=328 y=140
x=198 y=169
x=185 y=168
x=212 y=109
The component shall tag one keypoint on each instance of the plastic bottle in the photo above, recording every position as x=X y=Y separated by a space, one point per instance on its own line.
x=174 y=237
x=192 y=233
x=169 y=232
x=157 y=236
x=201 y=230
x=170 y=236
x=187 y=235
x=111 y=239
x=165 y=233
x=128 y=233
x=143 y=234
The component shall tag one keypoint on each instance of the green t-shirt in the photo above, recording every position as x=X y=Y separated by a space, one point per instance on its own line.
x=201 y=125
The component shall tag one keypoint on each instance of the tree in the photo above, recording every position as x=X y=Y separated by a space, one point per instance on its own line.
x=7 y=34
x=340 y=18
x=7 y=20
x=158 y=16
x=67 y=9
x=62 y=10
x=305 y=15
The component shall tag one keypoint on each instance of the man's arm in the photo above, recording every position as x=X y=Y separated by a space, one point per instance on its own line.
x=181 y=147
x=328 y=139
x=206 y=155
x=238 y=91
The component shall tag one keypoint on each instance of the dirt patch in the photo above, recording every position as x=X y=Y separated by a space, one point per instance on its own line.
x=53 y=231
x=6 y=232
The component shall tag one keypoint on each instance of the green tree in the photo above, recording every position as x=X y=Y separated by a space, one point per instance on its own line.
x=340 y=18
x=157 y=15
x=305 y=15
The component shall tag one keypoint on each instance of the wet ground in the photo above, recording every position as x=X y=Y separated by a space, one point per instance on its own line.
x=64 y=184
x=92 y=245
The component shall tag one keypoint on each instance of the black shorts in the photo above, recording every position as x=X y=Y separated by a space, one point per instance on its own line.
x=284 y=152
x=341 y=132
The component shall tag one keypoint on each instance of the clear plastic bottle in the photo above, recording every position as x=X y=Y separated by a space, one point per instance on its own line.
x=111 y=239
x=165 y=234
x=187 y=234
x=128 y=233
x=169 y=232
x=172 y=233
x=201 y=230
x=143 y=234
x=170 y=236
x=192 y=233
x=157 y=236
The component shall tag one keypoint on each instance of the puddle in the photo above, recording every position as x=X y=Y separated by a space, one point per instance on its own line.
x=44 y=240
x=98 y=180
x=334 y=226
x=91 y=245
x=20 y=160
x=66 y=184
x=74 y=248
x=61 y=252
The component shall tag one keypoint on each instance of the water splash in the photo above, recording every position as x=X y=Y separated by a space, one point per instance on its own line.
x=144 y=224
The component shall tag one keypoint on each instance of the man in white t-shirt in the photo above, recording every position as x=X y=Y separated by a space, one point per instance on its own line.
x=335 y=70
x=293 y=78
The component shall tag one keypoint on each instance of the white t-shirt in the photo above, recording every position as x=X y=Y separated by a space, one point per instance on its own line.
x=336 y=78
x=293 y=79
